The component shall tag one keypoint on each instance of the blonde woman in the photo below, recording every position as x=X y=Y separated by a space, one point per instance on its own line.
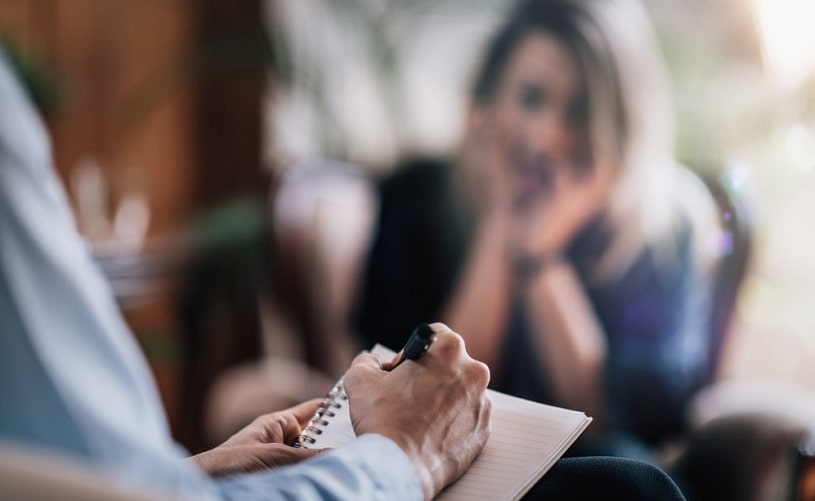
x=563 y=240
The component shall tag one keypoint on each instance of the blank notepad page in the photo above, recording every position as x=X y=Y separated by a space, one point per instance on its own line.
x=526 y=440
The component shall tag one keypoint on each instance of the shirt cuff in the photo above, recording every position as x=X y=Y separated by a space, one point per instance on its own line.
x=387 y=464
x=370 y=467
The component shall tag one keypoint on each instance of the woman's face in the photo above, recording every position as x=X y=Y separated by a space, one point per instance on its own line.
x=540 y=111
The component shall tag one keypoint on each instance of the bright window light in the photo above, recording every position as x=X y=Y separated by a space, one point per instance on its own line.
x=788 y=36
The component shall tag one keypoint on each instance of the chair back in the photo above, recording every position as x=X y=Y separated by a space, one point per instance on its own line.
x=734 y=247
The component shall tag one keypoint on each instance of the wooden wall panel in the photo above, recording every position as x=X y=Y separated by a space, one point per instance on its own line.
x=142 y=94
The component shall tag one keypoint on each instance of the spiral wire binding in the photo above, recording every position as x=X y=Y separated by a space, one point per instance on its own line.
x=322 y=416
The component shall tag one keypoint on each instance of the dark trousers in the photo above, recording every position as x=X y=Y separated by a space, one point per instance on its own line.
x=604 y=478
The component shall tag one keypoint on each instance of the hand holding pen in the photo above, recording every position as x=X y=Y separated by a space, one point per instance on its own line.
x=436 y=410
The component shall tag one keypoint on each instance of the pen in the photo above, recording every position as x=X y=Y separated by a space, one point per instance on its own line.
x=419 y=341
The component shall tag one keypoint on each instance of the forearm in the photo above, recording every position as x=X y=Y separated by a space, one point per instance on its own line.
x=568 y=337
x=480 y=305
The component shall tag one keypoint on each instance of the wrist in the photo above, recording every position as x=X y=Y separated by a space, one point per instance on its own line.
x=527 y=267
x=424 y=471
x=214 y=463
x=203 y=462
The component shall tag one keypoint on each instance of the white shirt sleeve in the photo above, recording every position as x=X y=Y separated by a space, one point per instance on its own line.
x=371 y=467
x=74 y=381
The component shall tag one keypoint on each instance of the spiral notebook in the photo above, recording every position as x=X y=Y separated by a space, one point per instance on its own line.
x=526 y=439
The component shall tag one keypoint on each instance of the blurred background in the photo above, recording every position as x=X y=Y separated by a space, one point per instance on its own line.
x=188 y=134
